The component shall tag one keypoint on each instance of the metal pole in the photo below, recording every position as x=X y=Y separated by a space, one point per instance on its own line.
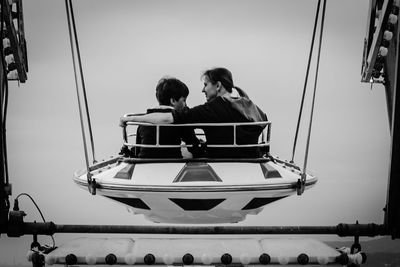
x=4 y=207
x=3 y=195
x=392 y=216
x=50 y=228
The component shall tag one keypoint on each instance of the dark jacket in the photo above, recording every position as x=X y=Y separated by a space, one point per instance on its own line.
x=167 y=136
x=226 y=109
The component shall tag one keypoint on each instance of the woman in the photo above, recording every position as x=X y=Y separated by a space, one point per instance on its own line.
x=221 y=107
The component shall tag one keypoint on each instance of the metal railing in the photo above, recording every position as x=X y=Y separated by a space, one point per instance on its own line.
x=263 y=140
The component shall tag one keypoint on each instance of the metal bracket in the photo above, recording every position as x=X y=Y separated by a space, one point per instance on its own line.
x=356 y=247
x=301 y=184
x=92 y=185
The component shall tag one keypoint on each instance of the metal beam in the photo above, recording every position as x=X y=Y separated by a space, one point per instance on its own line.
x=20 y=228
x=373 y=61
x=374 y=38
x=17 y=45
x=392 y=215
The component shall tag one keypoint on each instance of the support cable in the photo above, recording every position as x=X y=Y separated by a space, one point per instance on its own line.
x=314 y=93
x=4 y=175
x=4 y=99
x=77 y=91
x=306 y=79
x=5 y=105
x=72 y=19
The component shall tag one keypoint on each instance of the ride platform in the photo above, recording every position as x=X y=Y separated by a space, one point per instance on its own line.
x=198 y=251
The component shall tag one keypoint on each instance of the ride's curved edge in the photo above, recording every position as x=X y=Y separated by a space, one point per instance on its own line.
x=190 y=190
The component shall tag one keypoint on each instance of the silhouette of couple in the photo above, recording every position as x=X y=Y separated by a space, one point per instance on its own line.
x=223 y=105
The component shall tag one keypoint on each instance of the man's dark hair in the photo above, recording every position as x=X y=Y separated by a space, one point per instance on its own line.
x=168 y=88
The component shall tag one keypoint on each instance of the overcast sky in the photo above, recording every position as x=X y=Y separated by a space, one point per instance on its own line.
x=126 y=46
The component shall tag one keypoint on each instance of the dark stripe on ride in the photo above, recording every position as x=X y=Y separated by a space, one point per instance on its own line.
x=196 y=204
x=133 y=202
x=258 y=202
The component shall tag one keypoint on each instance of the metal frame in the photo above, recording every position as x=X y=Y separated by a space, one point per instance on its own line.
x=372 y=41
x=12 y=223
x=265 y=135
x=17 y=38
x=392 y=211
x=342 y=230
x=389 y=76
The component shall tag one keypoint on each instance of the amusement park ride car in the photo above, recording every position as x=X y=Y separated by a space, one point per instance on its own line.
x=203 y=190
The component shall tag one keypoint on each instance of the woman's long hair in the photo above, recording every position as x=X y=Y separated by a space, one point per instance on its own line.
x=224 y=76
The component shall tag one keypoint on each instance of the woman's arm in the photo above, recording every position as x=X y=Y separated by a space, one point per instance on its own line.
x=156 y=118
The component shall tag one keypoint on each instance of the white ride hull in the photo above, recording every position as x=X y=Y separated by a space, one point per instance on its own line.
x=197 y=191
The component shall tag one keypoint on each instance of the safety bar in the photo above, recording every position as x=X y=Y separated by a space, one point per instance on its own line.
x=265 y=135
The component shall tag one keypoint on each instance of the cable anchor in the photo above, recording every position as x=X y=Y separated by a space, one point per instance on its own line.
x=301 y=184
x=92 y=185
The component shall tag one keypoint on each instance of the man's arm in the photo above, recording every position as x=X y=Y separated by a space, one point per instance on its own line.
x=155 y=118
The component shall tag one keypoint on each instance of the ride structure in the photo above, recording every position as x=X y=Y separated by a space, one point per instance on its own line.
x=380 y=65
x=13 y=67
x=197 y=190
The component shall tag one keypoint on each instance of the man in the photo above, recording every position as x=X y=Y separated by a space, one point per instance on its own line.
x=171 y=94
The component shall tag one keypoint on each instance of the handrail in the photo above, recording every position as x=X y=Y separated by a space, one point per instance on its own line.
x=184 y=145
x=216 y=124
x=265 y=137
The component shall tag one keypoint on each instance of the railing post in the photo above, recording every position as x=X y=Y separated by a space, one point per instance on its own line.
x=124 y=134
x=157 y=135
x=234 y=134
